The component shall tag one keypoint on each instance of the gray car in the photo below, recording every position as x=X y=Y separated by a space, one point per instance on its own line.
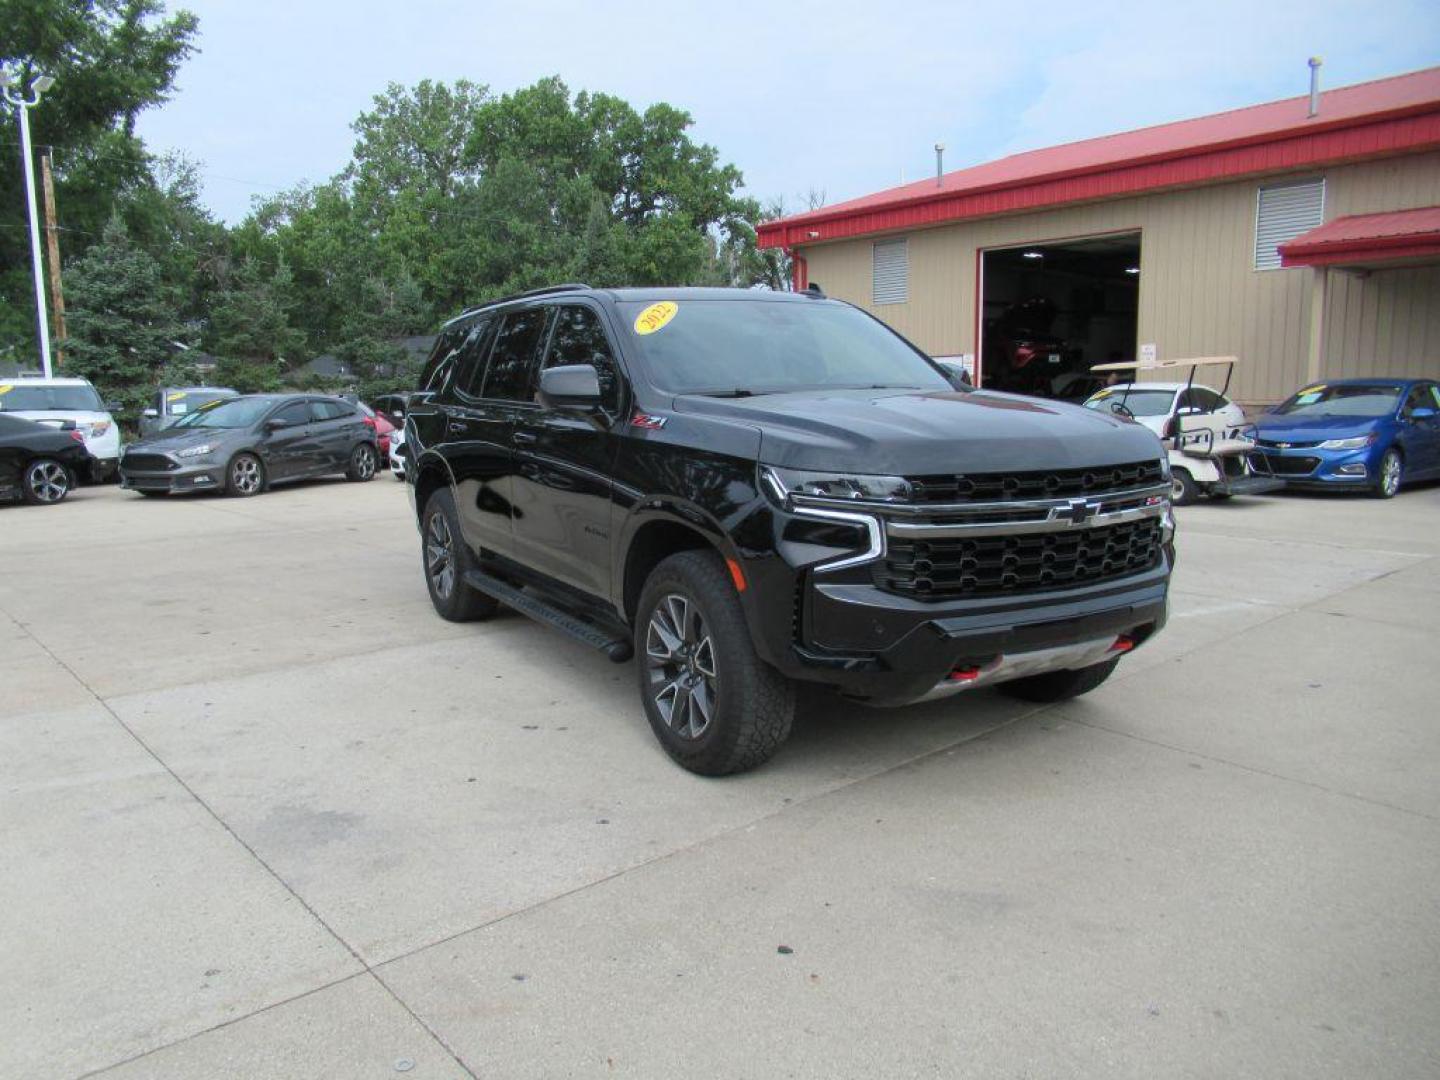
x=244 y=444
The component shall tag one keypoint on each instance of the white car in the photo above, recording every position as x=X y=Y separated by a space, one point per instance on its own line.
x=397 y=456
x=54 y=401
x=1154 y=404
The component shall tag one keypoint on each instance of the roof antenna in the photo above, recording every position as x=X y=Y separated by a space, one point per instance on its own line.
x=1315 y=63
x=939 y=163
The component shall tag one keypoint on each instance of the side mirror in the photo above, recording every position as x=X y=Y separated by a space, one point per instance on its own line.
x=113 y=406
x=150 y=414
x=276 y=424
x=574 y=386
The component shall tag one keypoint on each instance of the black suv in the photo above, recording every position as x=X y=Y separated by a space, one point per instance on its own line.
x=750 y=488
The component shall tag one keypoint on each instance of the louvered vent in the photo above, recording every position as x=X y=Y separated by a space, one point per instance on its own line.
x=891 y=272
x=1283 y=213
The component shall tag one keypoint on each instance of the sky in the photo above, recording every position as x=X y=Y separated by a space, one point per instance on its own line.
x=840 y=98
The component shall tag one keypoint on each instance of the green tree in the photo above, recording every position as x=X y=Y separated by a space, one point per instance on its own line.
x=111 y=59
x=251 y=330
x=120 y=318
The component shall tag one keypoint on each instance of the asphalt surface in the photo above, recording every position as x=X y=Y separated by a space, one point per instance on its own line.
x=263 y=814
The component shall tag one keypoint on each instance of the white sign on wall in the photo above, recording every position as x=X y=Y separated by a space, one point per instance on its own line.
x=1148 y=353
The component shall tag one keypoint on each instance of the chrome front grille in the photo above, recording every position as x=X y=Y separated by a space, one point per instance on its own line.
x=1046 y=484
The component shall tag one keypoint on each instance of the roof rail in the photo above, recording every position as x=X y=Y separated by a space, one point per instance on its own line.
x=569 y=286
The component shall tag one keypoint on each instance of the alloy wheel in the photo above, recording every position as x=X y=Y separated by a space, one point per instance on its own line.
x=364 y=462
x=48 y=481
x=1390 y=470
x=440 y=556
x=245 y=475
x=680 y=660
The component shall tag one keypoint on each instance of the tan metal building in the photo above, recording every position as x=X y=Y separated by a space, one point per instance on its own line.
x=1309 y=246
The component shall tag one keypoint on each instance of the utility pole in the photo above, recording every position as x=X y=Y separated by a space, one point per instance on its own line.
x=14 y=95
x=52 y=245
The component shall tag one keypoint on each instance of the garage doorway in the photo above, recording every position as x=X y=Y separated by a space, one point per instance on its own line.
x=1049 y=311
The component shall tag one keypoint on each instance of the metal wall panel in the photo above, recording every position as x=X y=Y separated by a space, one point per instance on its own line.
x=1199 y=291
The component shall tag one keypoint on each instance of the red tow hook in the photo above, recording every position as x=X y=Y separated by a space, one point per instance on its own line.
x=964 y=674
x=1123 y=644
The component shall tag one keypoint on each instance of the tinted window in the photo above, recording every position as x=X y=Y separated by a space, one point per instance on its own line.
x=329 y=410
x=579 y=338
x=1418 y=398
x=297 y=412
x=764 y=345
x=470 y=357
x=16 y=397
x=1205 y=399
x=447 y=353
x=511 y=373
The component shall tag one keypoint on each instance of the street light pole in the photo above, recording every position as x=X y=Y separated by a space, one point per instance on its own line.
x=23 y=105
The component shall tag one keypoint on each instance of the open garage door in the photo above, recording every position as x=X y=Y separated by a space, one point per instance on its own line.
x=1049 y=311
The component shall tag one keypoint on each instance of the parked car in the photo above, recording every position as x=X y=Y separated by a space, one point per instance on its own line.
x=38 y=462
x=392 y=407
x=59 y=401
x=169 y=403
x=397 y=453
x=746 y=489
x=245 y=444
x=382 y=428
x=1363 y=434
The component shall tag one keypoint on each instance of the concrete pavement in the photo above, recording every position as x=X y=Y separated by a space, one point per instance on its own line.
x=263 y=813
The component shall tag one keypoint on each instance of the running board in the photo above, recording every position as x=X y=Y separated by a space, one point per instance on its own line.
x=616 y=648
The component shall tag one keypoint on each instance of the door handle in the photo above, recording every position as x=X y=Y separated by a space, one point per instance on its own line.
x=525 y=437
x=455 y=427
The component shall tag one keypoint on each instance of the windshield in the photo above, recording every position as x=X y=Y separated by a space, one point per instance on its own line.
x=765 y=346
x=1368 y=401
x=235 y=413
x=1138 y=402
x=16 y=397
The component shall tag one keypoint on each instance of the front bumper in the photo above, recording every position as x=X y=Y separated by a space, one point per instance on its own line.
x=205 y=476
x=1310 y=466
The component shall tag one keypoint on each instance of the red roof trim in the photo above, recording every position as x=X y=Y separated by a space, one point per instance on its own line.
x=1383 y=132
x=1366 y=239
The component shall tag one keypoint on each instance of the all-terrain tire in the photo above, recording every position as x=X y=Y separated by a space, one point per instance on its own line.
x=445 y=558
x=751 y=705
x=1060 y=685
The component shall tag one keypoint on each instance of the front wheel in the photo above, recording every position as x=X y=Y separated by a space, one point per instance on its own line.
x=46 y=482
x=245 y=476
x=446 y=558
x=1060 y=685
x=1183 y=489
x=715 y=706
x=362 y=463
x=1391 y=473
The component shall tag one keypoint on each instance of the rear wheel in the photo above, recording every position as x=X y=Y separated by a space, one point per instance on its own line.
x=1183 y=489
x=1389 y=475
x=362 y=463
x=46 y=481
x=715 y=706
x=1060 y=685
x=446 y=559
x=245 y=476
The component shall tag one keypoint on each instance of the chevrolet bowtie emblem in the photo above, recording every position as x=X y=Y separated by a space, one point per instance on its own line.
x=1077 y=512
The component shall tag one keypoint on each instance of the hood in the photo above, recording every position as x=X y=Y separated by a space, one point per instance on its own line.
x=1280 y=428
x=922 y=432
x=171 y=439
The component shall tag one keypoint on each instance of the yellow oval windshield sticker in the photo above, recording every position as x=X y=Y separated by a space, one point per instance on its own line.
x=179 y=395
x=6 y=389
x=655 y=316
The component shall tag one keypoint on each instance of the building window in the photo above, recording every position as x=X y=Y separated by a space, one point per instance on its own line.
x=890 y=272
x=1282 y=213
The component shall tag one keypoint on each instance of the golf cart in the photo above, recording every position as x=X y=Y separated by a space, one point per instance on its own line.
x=1207 y=439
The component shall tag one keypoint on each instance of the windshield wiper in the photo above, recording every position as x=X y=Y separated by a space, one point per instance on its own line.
x=738 y=391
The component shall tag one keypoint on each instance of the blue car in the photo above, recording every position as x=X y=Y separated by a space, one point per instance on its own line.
x=1366 y=434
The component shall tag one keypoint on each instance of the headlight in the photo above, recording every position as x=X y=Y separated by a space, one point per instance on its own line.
x=196 y=451
x=1359 y=442
x=845 y=486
